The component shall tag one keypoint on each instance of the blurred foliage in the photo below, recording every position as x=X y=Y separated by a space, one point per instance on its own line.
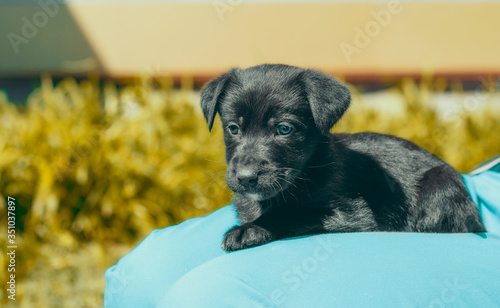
x=95 y=167
x=107 y=165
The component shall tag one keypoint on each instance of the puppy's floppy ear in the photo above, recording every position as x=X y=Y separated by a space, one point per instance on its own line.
x=212 y=94
x=329 y=98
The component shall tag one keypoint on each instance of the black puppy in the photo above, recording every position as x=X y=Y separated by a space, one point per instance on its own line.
x=291 y=177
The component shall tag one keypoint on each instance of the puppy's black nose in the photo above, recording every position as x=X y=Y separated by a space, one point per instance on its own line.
x=247 y=177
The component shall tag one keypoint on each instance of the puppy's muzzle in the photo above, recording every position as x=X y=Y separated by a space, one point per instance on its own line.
x=249 y=172
x=248 y=177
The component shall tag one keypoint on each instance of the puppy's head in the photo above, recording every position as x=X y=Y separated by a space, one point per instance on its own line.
x=273 y=117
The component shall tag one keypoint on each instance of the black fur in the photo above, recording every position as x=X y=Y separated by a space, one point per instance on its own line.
x=310 y=181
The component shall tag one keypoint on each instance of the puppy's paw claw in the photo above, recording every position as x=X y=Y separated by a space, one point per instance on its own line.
x=246 y=236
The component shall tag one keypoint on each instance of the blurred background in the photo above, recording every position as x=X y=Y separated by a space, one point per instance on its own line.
x=102 y=139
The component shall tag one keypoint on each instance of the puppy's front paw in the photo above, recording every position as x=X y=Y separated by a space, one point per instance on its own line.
x=245 y=236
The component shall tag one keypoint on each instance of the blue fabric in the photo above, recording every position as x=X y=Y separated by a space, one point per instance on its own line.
x=184 y=266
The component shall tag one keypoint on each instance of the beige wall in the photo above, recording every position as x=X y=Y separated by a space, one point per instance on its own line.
x=203 y=40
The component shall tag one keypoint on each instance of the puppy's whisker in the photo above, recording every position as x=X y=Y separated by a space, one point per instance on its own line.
x=281 y=189
x=288 y=168
x=293 y=185
x=298 y=176
x=319 y=166
x=216 y=161
x=224 y=189
x=289 y=182
x=219 y=174
x=218 y=180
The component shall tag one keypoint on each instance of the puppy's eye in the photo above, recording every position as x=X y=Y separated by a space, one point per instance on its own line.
x=284 y=129
x=234 y=129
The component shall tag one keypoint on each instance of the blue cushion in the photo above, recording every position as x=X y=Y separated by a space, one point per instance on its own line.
x=184 y=266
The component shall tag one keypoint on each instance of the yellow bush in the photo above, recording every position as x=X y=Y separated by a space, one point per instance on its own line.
x=142 y=158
